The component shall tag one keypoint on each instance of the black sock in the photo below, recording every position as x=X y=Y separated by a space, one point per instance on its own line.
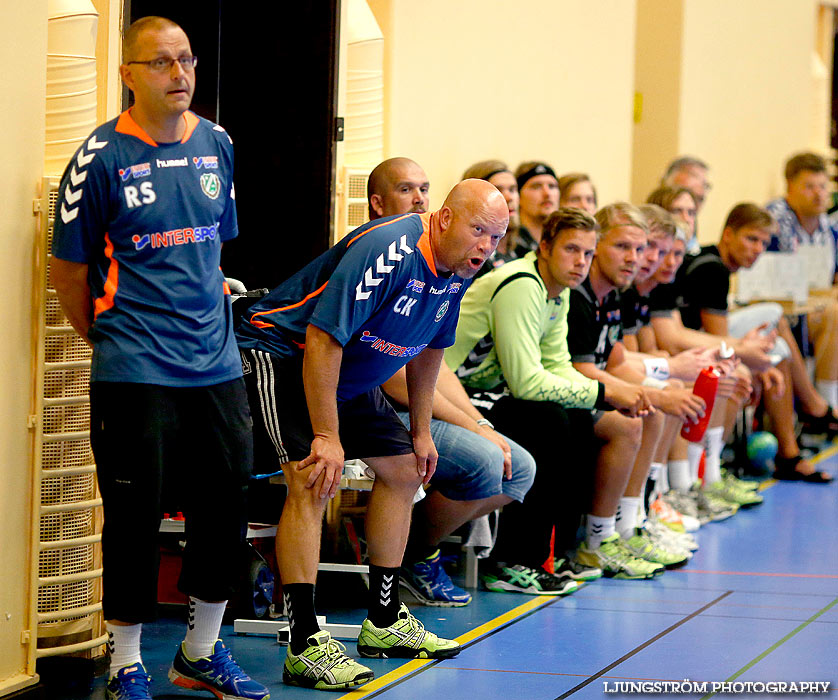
x=384 y=596
x=299 y=601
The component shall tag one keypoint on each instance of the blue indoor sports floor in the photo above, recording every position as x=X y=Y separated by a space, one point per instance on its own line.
x=758 y=602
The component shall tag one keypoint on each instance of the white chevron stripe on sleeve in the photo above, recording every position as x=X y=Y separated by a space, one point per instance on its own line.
x=369 y=280
x=77 y=178
x=380 y=267
x=72 y=197
x=359 y=295
x=84 y=160
x=392 y=254
x=67 y=215
x=94 y=145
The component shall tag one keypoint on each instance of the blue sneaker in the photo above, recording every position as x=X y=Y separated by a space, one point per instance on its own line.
x=218 y=674
x=430 y=584
x=129 y=683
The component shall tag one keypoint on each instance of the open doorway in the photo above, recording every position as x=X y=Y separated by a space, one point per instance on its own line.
x=268 y=74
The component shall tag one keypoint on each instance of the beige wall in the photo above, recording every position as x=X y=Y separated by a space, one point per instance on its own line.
x=476 y=79
x=23 y=43
x=744 y=97
x=657 y=81
x=736 y=84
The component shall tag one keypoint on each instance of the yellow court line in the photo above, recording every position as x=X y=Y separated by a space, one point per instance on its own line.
x=767 y=484
x=416 y=664
x=825 y=454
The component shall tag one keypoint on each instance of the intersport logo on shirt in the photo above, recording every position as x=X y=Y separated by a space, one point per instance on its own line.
x=135 y=171
x=209 y=162
x=387 y=348
x=175 y=237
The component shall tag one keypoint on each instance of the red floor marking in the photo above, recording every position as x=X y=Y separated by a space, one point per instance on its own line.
x=755 y=573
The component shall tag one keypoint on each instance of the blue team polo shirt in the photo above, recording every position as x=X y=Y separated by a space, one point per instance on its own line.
x=377 y=292
x=149 y=219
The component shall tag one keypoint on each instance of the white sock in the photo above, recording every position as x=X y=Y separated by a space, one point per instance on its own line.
x=203 y=628
x=626 y=518
x=828 y=389
x=694 y=452
x=679 y=475
x=597 y=529
x=124 y=646
x=714 y=443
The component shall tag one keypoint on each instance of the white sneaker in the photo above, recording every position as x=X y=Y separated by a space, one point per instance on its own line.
x=673 y=519
x=681 y=540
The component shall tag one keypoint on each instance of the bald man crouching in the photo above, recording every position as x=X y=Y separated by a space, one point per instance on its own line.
x=386 y=296
x=479 y=470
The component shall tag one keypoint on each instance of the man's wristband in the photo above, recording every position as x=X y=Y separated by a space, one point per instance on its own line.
x=656 y=368
x=486 y=422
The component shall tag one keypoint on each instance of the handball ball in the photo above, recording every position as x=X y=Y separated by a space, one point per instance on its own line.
x=762 y=448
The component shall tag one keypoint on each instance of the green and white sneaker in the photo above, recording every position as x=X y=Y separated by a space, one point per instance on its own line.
x=577 y=571
x=523 y=579
x=712 y=508
x=743 y=483
x=324 y=666
x=615 y=560
x=406 y=638
x=645 y=546
x=683 y=502
x=733 y=493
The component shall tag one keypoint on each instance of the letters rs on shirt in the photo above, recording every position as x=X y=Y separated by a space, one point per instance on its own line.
x=136 y=198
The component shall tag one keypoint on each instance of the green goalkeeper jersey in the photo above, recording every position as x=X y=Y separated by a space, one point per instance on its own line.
x=512 y=335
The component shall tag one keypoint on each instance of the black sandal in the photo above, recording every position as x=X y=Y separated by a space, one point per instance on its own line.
x=817 y=425
x=785 y=470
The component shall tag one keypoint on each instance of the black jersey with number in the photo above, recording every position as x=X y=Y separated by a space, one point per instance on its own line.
x=593 y=328
x=704 y=287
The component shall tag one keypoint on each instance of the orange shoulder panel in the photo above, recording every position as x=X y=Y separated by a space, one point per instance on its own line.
x=126 y=125
x=192 y=121
x=424 y=242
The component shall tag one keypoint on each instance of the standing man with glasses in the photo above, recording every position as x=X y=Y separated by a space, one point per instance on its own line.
x=143 y=210
x=689 y=172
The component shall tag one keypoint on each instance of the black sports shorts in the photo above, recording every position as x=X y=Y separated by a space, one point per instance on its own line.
x=369 y=427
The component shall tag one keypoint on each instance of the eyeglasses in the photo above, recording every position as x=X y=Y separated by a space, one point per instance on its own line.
x=161 y=65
